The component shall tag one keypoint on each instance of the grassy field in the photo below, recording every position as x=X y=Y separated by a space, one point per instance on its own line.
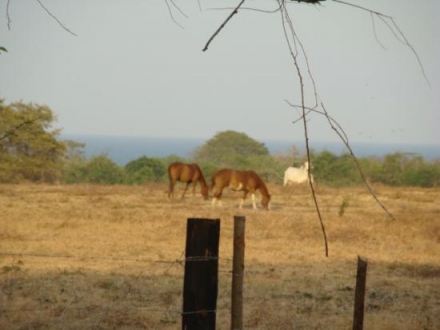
x=109 y=257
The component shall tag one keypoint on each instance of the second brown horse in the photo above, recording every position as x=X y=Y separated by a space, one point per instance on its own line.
x=246 y=181
x=186 y=173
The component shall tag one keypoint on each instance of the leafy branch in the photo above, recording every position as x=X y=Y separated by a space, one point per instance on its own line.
x=13 y=130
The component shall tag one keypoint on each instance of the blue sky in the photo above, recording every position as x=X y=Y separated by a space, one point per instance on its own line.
x=132 y=71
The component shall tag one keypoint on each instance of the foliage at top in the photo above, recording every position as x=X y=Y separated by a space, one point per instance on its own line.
x=230 y=144
x=144 y=169
x=232 y=149
x=29 y=146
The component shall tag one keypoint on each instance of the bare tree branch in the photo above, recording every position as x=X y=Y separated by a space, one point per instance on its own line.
x=344 y=138
x=170 y=11
x=235 y=11
x=375 y=34
x=55 y=18
x=394 y=28
x=8 y=17
x=290 y=31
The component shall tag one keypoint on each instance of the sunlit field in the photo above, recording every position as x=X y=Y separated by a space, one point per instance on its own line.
x=111 y=257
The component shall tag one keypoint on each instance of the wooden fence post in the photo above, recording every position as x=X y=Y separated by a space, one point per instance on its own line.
x=201 y=274
x=359 y=299
x=238 y=273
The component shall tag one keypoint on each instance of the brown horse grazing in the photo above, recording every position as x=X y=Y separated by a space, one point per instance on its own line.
x=246 y=181
x=186 y=173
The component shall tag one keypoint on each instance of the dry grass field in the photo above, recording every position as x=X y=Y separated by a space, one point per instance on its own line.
x=109 y=257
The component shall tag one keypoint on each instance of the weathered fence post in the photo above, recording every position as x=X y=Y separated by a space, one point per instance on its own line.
x=201 y=274
x=238 y=273
x=359 y=299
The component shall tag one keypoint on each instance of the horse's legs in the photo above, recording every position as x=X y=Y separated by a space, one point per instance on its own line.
x=217 y=196
x=242 y=199
x=184 y=190
x=254 y=204
x=217 y=201
x=171 y=188
x=194 y=189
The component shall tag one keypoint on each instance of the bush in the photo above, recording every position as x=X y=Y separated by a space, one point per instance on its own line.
x=143 y=170
x=101 y=169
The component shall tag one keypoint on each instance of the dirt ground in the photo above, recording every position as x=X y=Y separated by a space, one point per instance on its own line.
x=111 y=257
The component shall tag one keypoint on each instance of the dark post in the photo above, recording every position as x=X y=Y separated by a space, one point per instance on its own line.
x=238 y=273
x=359 y=299
x=201 y=274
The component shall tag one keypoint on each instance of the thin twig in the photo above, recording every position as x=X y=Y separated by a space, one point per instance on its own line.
x=400 y=36
x=171 y=14
x=294 y=54
x=55 y=18
x=8 y=17
x=178 y=8
x=235 y=11
x=375 y=33
x=360 y=7
x=361 y=172
x=344 y=138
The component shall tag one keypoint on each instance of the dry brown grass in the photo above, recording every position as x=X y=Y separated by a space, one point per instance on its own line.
x=102 y=257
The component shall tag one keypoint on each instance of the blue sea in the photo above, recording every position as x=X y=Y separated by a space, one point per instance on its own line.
x=123 y=149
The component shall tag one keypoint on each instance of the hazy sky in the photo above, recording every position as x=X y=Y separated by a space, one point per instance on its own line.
x=131 y=70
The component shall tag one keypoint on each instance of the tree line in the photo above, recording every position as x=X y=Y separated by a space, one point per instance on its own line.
x=31 y=150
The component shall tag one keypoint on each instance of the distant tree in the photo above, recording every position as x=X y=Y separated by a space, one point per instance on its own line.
x=74 y=163
x=238 y=151
x=29 y=146
x=392 y=168
x=230 y=148
x=144 y=169
x=101 y=169
x=412 y=170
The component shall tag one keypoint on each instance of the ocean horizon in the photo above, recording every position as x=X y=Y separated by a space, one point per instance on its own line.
x=123 y=149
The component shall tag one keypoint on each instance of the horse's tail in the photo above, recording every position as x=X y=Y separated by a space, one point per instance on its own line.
x=169 y=170
x=214 y=178
x=202 y=177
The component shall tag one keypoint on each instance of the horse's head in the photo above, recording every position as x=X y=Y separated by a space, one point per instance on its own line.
x=205 y=191
x=265 y=201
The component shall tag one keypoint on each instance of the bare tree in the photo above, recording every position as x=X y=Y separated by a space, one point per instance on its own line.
x=297 y=51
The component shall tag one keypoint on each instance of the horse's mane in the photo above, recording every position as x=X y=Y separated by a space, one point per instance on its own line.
x=202 y=178
x=261 y=183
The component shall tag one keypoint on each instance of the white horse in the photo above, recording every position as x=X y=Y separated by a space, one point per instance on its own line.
x=297 y=175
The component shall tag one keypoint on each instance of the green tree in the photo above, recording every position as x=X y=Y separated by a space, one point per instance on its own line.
x=324 y=170
x=230 y=149
x=74 y=163
x=29 y=148
x=391 y=169
x=335 y=170
x=101 y=169
x=417 y=172
x=144 y=169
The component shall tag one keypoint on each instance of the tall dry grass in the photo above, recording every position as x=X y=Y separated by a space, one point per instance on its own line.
x=109 y=257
